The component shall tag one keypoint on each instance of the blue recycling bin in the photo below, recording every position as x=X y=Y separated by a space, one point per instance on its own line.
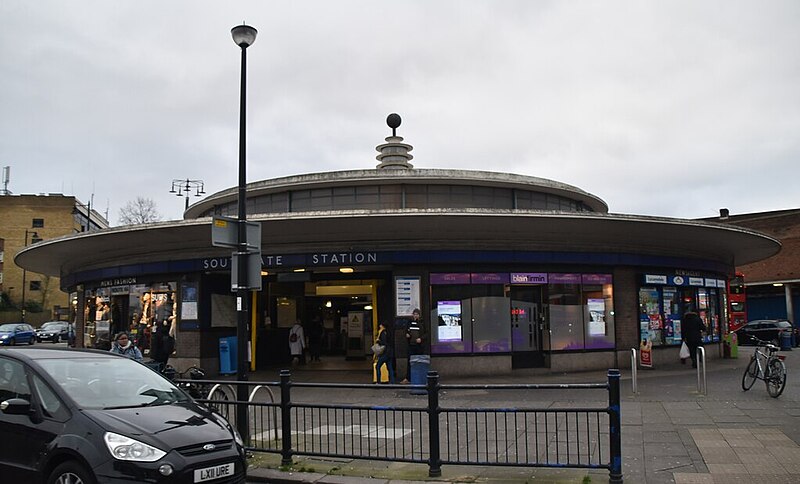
x=786 y=341
x=227 y=356
x=420 y=365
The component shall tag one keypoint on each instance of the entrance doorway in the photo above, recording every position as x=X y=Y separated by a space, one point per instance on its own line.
x=527 y=321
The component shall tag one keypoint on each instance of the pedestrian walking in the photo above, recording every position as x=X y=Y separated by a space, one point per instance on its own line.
x=297 y=343
x=692 y=328
x=387 y=356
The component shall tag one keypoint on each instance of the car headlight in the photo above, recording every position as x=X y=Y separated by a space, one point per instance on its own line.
x=3 y=336
x=125 y=448
x=225 y=423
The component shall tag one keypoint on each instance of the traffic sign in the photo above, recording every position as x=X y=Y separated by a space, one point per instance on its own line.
x=225 y=233
x=253 y=271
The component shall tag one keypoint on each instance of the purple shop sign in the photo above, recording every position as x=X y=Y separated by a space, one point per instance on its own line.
x=489 y=278
x=528 y=278
x=596 y=278
x=449 y=278
x=564 y=278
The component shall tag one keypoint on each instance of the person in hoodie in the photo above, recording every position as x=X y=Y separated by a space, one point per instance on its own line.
x=692 y=328
x=124 y=346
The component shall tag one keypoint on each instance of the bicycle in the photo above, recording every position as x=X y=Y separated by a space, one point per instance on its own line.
x=767 y=366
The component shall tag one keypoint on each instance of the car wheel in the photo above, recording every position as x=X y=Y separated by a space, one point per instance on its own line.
x=12 y=342
x=57 y=340
x=32 y=341
x=71 y=472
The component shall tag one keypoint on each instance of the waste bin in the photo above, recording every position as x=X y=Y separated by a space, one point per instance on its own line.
x=420 y=365
x=227 y=356
x=786 y=341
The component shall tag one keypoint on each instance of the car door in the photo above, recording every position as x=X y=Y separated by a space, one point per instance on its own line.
x=26 y=439
x=13 y=428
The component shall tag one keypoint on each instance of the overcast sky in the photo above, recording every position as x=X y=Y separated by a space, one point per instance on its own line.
x=670 y=108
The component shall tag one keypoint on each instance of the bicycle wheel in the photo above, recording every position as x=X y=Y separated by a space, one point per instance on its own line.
x=776 y=381
x=750 y=375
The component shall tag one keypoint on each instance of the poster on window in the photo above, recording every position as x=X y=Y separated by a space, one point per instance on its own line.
x=449 y=315
x=407 y=291
x=597 y=317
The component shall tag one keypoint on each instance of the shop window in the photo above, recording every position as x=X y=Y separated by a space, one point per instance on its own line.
x=451 y=319
x=598 y=304
x=37 y=223
x=35 y=286
x=566 y=317
x=491 y=316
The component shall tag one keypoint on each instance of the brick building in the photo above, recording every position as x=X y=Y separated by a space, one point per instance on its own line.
x=26 y=220
x=772 y=284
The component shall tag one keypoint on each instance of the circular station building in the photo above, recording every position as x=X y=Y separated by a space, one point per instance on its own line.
x=509 y=271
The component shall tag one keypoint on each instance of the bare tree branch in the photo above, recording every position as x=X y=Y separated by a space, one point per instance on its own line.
x=139 y=211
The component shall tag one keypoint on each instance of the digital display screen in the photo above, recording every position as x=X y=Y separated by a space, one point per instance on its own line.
x=449 y=316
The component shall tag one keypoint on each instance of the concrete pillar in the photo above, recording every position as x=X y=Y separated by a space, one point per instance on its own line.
x=787 y=288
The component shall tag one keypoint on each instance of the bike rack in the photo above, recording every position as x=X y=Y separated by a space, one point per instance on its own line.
x=220 y=387
x=258 y=387
x=701 y=364
x=634 y=371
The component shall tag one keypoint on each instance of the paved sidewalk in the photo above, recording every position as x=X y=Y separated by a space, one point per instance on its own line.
x=670 y=432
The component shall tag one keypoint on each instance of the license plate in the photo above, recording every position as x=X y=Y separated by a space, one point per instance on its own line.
x=211 y=473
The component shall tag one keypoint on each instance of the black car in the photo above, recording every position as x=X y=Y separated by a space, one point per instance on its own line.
x=54 y=331
x=87 y=416
x=764 y=329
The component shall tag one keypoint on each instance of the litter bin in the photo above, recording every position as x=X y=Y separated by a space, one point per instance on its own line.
x=227 y=356
x=420 y=365
x=786 y=341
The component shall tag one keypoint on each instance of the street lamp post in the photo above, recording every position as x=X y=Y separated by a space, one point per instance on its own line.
x=186 y=186
x=243 y=36
x=34 y=238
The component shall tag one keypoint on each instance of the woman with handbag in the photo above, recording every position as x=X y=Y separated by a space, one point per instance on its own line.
x=385 y=353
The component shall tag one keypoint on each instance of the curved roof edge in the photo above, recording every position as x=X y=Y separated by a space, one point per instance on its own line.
x=412 y=176
x=528 y=230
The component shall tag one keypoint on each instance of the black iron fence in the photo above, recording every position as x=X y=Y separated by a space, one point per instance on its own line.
x=423 y=430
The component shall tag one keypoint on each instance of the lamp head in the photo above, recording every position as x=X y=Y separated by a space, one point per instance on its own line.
x=244 y=35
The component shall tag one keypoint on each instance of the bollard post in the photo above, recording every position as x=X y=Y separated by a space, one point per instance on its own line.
x=286 y=418
x=435 y=461
x=701 y=365
x=634 y=371
x=615 y=430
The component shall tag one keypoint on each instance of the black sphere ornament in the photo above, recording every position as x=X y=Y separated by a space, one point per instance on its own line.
x=393 y=120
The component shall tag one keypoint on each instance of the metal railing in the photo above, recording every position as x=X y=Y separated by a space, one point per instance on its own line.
x=426 y=432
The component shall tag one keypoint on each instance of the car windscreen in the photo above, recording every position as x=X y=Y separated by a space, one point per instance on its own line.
x=783 y=324
x=8 y=327
x=52 y=326
x=111 y=382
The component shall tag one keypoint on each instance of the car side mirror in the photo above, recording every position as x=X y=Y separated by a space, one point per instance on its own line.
x=16 y=406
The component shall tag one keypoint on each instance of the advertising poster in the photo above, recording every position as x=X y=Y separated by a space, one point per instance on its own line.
x=407 y=292
x=597 y=317
x=449 y=315
x=646 y=354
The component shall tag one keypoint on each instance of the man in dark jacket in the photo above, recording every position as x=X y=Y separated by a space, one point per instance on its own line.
x=416 y=337
x=692 y=328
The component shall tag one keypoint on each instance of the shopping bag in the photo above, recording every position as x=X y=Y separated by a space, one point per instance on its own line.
x=685 y=351
x=378 y=349
x=384 y=373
